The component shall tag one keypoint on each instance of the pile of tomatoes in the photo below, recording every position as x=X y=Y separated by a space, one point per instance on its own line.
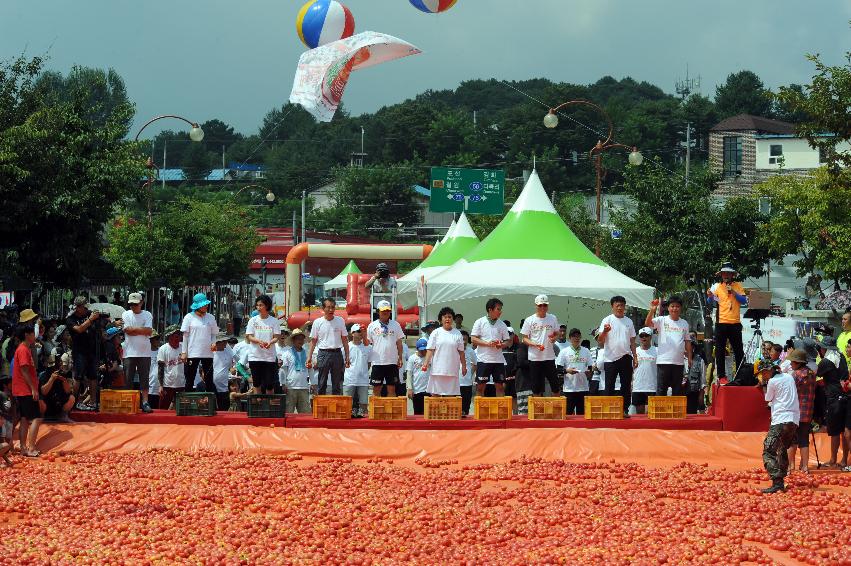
x=164 y=507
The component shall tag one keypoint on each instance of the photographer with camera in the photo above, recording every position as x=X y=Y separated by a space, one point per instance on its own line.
x=56 y=386
x=382 y=283
x=729 y=297
x=85 y=338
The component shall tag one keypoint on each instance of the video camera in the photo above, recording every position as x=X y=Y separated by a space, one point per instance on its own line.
x=383 y=271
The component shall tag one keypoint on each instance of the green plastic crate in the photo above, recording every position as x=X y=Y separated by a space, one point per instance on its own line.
x=195 y=404
x=267 y=406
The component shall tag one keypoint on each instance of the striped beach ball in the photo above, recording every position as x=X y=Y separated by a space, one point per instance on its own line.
x=432 y=6
x=323 y=21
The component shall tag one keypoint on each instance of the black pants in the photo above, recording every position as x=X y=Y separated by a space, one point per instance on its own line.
x=669 y=375
x=222 y=401
x=206 y=373
x=594 y=387
x=419 y=403
x=330 y=362
x=575 y=402
x=539 y=371
x=237 y=326
x=621 y=368
x=725 y=332
x=466 y=398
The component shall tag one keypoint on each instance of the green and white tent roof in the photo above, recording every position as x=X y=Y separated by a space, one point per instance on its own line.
x=459 y=240
x=531 y=252
x=341 y=280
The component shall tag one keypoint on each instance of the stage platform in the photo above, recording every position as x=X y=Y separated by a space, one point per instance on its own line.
x=413 y=422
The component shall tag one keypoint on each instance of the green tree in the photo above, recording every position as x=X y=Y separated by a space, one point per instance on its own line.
x=809 y=219
x=743 y=93
x=189 y=242
x=825 y=103
x=103 y=93
x=675 y=235
x=65 y=165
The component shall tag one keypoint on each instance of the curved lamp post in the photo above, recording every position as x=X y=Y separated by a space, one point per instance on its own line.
x=596 y=152
x=270 y=196
x=196 y=134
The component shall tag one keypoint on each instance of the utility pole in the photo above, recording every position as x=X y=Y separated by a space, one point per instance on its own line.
x=474 y=119
x=223 y=161
x=688 y=149
x=165 y=145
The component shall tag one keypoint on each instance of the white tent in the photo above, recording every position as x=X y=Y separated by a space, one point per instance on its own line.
x=341 y=281
x=531 y=252
x=459 y=240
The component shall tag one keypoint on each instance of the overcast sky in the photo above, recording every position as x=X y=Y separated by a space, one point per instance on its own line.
x=235 y=60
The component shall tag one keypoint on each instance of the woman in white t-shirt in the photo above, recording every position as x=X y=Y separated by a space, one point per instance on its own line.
x=262 y=332
x=445 y=356
x=199 y=330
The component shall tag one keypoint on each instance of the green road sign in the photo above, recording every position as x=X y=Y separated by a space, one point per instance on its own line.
x=481 y=190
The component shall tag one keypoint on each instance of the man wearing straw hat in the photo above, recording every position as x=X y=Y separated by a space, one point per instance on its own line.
x=729 y=296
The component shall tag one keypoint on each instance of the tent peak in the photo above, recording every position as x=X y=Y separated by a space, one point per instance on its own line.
x=449 y=232
x=533 y=197
x=463 y=228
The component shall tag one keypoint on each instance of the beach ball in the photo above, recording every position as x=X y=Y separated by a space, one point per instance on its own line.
x=432 y=6
x=323 y=21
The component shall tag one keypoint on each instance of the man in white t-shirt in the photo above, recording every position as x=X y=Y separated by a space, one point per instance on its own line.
x=781 y=394
x=356 y=376
x=138 y=326
x=295 y=377
x=539 y=332
x=644 y=380
x=385 y=336
x=673 y=347
x=417 y=377
x=617 y=337
x=575 y=362
x=490 y=335
x=328 y=335
x=170 y=362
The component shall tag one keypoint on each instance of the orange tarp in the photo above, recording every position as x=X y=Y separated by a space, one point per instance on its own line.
x=731 y=450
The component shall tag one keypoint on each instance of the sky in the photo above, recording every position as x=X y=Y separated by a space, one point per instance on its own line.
x=235 y=60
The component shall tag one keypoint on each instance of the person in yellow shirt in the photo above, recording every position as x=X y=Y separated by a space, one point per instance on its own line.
x=728 y=296
x=845 y=336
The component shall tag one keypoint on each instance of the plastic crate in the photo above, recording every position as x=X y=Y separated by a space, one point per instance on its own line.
x=388 y=408
x=267 y=406
x=492 y=408
x=332 y=407
x=443 y=408
x=547 y=408
x=666 y=407
x=604 y=408
x=195 y=404
x=119 y=401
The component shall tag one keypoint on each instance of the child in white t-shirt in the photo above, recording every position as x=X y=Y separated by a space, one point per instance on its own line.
x=644 y=382
x=466 y=379
x=417 y=378
x=356 y=376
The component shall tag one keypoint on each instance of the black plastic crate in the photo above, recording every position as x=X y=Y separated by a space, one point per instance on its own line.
x=195 y=404
x=267 y=406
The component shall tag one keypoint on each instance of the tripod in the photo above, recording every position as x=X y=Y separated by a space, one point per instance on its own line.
x=753 y=344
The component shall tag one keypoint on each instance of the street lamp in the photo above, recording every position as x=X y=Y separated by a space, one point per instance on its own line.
x=635 y=158
x=196 y=134
x=270 y=196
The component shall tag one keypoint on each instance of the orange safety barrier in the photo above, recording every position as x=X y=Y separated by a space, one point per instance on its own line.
x=655 y=448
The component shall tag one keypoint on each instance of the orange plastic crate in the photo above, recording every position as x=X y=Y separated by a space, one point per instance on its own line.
x=443 y=408
x=666 y=407
x=547 y=408
x=119 y=401
x=603 y=408
x=492 y=408
x=388 y=408
x=332 y=407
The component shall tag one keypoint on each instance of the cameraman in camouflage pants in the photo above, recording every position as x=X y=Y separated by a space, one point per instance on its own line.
x=781 y=393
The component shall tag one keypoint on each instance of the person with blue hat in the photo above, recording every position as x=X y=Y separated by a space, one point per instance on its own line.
x=417 y=377
x=199 y=342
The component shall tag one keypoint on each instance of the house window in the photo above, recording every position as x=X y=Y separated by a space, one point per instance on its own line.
x=732 y=156
x=775 y=150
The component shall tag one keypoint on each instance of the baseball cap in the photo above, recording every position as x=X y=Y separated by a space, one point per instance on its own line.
x=112 y=331
x=646 y=330
x=422 y=344
x=384 y=306
x=81 y=301
x=542 y=300
x=356 y=327
x=134 y=298
x=298 y=332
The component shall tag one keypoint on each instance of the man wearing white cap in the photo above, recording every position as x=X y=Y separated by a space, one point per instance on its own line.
x=385 y=336
x=138 y=327
x=539 y=332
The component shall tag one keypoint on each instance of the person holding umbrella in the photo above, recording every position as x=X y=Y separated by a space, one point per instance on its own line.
x=728 y=296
